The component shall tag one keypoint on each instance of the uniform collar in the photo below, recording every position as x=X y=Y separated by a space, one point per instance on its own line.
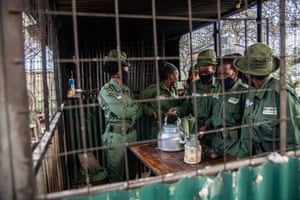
x=162 y=86
x=265 y=85
x=237 y=84
x=118 y=87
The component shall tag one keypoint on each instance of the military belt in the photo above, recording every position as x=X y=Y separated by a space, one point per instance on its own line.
x=116 y=129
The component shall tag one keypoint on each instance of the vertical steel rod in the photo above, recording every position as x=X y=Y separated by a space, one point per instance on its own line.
x=282 y=80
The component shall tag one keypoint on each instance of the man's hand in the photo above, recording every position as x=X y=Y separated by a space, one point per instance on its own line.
x=203 y=128
x=170 y=112
x=155 y=116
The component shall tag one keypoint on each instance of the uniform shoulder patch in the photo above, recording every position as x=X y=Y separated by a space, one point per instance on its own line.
x=108 y=89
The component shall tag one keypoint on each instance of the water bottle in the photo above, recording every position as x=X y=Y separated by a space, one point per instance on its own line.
x=71 y=84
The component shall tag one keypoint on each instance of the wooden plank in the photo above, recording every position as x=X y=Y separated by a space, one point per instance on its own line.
x=160 y=162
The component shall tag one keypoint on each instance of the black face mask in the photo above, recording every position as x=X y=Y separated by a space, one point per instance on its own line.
x=206 y=79
x=228 y=83
x=125 y=77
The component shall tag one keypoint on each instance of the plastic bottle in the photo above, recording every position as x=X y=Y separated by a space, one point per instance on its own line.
x=71 y=84
x=192 y=151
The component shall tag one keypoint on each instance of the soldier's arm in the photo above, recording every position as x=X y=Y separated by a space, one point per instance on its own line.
x=148 y=107
x=184 y=109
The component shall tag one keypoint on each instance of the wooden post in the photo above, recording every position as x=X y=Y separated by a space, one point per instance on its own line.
x=17 y=180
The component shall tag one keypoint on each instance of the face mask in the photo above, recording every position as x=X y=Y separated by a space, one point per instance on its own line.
x=228 y=83
x=206 y=79
x=125 y=77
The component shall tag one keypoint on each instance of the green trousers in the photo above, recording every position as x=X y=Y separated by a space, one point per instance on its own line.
x=115 y=155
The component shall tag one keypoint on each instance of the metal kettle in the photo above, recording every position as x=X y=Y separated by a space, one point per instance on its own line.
x=171 y=137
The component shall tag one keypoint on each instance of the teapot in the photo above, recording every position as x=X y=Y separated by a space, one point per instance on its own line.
x=171 y=137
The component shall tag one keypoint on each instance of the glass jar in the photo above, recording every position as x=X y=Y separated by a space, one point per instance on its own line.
x=192 y=151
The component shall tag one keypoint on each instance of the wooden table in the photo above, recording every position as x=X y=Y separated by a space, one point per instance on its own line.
x=161 y=162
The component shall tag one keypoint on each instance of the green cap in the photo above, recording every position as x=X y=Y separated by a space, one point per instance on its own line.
x=258 y=60
x=229 y=58
x=113 y=56
x=206 y=58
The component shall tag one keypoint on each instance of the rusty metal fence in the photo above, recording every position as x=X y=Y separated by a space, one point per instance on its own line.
x=64 y=129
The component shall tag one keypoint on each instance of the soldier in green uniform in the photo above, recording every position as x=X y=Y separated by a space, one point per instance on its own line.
x=262 y=107
x=229 y=107
x=121 y=114
x=168 y=95
x=203 y=90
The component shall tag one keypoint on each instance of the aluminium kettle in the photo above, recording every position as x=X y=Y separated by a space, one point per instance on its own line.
x=171 y=137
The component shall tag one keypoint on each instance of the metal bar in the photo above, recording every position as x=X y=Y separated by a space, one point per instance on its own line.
x=267 y=31
x=42 y=26
x=16 y=162
x=78 y=77
x=195 y=108
x=258 y=20
x=155 y=46
x=42 y=147
x=282 y=79
x=129 y=16
x=246 y=34
x=129 y=59
x=216 y=37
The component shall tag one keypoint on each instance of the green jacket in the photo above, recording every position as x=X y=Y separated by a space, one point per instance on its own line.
x=262 y=108
x=234 y=108
x=151 y=93
x=117 y=104
x=152 y=105
x=204 y=104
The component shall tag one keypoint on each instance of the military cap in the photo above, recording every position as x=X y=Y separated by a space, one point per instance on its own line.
x=113 y=56
x=206 y=58
x=229 y=58
x=258 y=60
